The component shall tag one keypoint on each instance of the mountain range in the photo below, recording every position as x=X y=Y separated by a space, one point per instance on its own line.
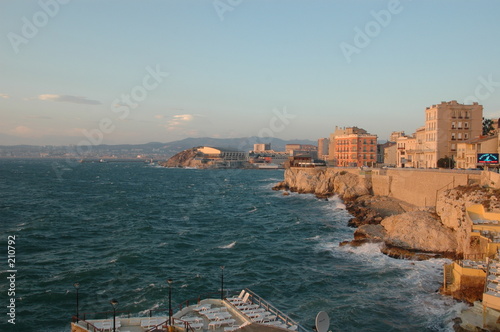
x=148 y=149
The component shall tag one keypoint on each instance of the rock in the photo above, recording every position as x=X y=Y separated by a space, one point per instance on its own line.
x=410 y=232
x=324 y=183
x=376 y=233
x=400 y=253
x=350 y=186
x=419 y=231
x=185 y=158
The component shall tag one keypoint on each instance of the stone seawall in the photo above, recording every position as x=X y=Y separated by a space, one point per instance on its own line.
x=417 y=187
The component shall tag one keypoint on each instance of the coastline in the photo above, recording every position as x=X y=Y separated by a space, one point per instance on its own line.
x=409 y=231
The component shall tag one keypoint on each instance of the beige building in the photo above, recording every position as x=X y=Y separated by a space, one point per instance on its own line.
x=260 y=147
x=323 y=145
x=446 y=125
x=405 y=144
x=467 y=152
x=395 y=135
x=302 y=149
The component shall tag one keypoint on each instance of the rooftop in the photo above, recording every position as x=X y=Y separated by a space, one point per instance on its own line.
x=246 y=312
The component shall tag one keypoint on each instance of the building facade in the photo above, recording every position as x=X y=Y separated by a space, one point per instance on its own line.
x=260 y=147
x=323 y=145
x=446 y=125
x=467 y=152
x=354 y=147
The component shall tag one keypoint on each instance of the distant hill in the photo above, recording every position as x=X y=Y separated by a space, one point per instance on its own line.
x=242 y=144
x=148 y=150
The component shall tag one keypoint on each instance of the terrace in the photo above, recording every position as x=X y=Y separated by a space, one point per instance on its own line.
x=245 y=312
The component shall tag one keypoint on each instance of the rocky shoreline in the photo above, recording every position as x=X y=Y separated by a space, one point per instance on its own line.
x=403 y=230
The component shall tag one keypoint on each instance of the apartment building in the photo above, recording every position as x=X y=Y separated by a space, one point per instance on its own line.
x=353 y=147
x=323 y=145
x=446 y=125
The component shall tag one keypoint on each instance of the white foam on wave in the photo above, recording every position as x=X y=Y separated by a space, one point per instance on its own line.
x=336 y=203
x=253 y=210
x=270 y=180
x=417 y=282
x=228 y=246
x=317 y=237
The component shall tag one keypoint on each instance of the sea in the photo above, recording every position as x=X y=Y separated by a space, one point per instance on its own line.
x=121 y=230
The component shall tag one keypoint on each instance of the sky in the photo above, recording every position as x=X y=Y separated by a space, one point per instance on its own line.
x=130 y=72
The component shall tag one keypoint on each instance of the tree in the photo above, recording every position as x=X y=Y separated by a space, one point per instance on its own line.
x=488 y=129
x=446 y=162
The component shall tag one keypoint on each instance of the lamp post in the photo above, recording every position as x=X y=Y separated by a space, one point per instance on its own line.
x=114 y=303
x=76 y=285
x=169 y=301
x=222 y=283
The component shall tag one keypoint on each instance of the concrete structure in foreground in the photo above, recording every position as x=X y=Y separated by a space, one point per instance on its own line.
x=246 y=312
x=479 y=271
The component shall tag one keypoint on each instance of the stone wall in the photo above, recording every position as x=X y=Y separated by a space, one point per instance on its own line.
x=490 y=179
x=418 y=187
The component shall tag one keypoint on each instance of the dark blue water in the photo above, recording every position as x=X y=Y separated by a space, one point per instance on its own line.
x=122 y=229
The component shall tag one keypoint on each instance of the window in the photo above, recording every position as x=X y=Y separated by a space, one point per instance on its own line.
x=453 y=136
x=460 y=125
x=453 y=125
x=466 y=136
x=466 y=125
x=459 y=135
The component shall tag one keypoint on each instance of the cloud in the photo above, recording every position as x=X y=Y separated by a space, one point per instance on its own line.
x=23 y=131
x=178 y=121
x=69 y=99
x=4 y=96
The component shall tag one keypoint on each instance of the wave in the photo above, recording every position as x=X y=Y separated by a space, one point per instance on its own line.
x=228 y=246
x=337 y=203
x=253 y=210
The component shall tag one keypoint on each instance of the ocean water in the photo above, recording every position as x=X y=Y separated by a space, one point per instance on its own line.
x=122 y=229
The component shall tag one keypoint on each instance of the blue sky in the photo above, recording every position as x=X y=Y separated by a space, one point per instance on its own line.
x=139 y=71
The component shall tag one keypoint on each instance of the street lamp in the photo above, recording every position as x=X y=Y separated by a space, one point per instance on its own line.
x=76 y=285
x=114 y=303
x=222 y=283
x=170 y=301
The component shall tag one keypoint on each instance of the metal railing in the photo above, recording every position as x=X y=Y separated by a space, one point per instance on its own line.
x=256 y=299
x=87 y=325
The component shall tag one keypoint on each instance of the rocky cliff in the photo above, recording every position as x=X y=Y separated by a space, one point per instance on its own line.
x=185 y=158
x=403 y=229
x=324 y=183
